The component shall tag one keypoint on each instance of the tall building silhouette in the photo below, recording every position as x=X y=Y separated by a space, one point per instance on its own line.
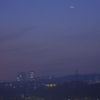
x=76 y=75
x=31 y=75
x=21 y=77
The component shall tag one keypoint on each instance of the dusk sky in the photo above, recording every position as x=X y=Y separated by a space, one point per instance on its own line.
x=50 y=37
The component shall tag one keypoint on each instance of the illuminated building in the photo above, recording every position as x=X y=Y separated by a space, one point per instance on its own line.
x=31 y=75
x=50 y=85
x=21 y=76
x=96 y=79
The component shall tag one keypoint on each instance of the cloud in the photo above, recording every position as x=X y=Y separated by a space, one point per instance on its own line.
x=53 y=63
x=7 y=35
x=79 y=35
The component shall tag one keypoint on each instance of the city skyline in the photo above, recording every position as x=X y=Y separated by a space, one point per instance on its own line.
x=49 y=37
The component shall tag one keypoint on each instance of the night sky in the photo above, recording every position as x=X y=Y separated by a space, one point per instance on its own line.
x=50 y=37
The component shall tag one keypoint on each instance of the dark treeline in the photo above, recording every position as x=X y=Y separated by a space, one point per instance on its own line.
x=70 y=90
x=73 y=89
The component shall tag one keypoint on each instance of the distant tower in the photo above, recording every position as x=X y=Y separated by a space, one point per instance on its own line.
x=76 y=75
x=86 y=78
x=31 y=75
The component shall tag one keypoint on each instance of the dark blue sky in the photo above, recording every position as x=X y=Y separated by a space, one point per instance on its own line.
x=49 y=37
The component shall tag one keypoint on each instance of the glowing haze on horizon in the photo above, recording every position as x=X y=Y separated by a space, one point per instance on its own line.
x=49 y=37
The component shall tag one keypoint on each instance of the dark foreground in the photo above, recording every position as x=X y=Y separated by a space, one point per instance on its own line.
x=75 y=90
